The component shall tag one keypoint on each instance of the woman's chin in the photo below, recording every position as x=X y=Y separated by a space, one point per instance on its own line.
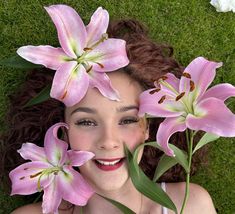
x=108 y=184
x=105 y=178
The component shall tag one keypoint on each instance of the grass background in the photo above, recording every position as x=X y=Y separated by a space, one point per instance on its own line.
x=192 y=27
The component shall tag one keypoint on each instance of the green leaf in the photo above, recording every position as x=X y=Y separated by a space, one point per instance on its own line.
x=180 y=156
x=165 y=163
x=147 y=187
x=120 y=206
x=207 y=138
x=18 y=62
x=39 y=98
x=136 y=152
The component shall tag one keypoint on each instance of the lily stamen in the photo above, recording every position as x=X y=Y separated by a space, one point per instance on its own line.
x=87 y=49
x=102 y=39
x=89 y=69
x=47 y=172
x=154 y=91
x=192 y=86
x=162 y=78
x=35 y=175
x=167 y=85
x=187 y=75
x=179 y=96
x=162 y=99
x=102 y=66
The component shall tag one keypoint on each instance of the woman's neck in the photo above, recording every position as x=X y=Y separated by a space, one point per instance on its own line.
x=122 y=195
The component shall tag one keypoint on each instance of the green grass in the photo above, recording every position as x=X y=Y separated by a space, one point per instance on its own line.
x=192 y=27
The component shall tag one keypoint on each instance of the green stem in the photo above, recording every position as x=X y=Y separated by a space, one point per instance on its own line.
x=81 y=210
x=38 y=197
x=187 y=139
x=190 y=151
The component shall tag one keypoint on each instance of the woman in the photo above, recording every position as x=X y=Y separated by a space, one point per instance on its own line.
x=102 y=126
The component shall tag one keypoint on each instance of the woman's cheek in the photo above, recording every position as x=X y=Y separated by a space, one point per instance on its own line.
x=80 y=141
x=133 y=138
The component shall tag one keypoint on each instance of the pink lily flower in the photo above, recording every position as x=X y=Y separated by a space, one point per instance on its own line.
x=51 y=170
x=186 y=103
x=85 y=55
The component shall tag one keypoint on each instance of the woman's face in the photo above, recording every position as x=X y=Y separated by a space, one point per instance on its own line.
x=103 y=126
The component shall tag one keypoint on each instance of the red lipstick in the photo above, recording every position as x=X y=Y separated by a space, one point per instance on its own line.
x=109 y=164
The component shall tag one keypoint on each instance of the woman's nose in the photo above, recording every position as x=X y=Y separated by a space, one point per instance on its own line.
x=109 y=139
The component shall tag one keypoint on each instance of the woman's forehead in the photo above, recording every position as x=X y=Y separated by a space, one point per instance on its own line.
x=128 y=90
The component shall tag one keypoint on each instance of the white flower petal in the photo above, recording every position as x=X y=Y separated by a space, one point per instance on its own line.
x=223 y=5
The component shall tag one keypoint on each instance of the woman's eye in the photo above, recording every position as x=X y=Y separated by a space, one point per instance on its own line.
x=85 y=123
x=129 y=121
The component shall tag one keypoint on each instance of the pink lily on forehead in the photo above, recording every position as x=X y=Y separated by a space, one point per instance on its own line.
x=186 y=103
x=51 y=170
x=85 y=55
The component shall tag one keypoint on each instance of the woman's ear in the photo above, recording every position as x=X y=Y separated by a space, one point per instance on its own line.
x=147 y=134
x=147 y=130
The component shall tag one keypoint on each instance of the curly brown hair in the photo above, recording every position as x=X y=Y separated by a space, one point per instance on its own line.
x=148 y=61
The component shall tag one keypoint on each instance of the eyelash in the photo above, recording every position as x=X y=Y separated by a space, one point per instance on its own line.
x=85 y=122
x=129 y=120
x=125 y=121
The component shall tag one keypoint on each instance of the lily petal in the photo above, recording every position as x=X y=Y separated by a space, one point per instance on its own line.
x=104 y=85
x=70 y=28
x=98 y=25
x=220 y=91
x=74 y=188
x=167 y=128
x=45 y=55
x=202 y=73
x=149 y=103
x=55 y=149
x=25 y=177
x=213 y=117
x=174 y=82
x=110 y=55
x=70 y=83
x=30 y=151
x=78 y=158
x=51 y=197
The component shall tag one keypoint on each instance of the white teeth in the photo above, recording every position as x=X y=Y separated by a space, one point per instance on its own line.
x=107 y=163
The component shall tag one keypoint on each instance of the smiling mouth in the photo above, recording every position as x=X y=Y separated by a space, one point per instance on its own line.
x=109 y=164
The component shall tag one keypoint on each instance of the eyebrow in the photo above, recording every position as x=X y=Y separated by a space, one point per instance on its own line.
x=128 y=108
x=84 y=109
x=94 y=111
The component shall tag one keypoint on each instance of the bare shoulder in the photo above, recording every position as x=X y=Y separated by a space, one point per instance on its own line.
x=36 y=208
x=199 y=200
x=29 y=209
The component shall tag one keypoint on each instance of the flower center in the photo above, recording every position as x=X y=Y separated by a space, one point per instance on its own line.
x=45 y=172
x=83 y=58
x=175 y=95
